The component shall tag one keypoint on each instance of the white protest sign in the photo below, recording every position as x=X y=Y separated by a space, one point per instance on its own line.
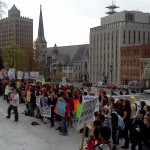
x=19 y=75
x=46 y=111
x=11 y=73
x=26 y=75
x=87 y=113
x=33 y=74
x=38 y=100
x=39 y=78
x=1 y=75
x=88 y=98
x=64 y=82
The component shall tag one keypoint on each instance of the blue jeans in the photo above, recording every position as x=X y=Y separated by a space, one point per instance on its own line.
x=64 y=125
x=31 y=107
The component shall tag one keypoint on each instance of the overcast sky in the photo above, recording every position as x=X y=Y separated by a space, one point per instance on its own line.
x=68 y=22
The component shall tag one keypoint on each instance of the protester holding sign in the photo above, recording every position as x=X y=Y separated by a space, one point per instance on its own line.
x=64 y=119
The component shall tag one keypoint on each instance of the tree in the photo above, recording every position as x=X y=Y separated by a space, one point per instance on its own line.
x=10 y=55
x=2 y=6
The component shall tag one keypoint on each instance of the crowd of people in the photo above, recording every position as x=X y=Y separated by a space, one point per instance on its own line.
x=115 y=119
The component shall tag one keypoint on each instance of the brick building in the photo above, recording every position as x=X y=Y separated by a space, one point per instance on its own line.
x=133 y=60
x=16 y=29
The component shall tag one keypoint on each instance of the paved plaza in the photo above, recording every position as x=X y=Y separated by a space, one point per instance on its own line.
x=24 y=136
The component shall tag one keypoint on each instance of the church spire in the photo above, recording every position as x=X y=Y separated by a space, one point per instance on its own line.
x=41 y=37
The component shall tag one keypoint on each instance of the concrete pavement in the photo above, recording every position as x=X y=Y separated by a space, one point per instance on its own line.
x=23 y=136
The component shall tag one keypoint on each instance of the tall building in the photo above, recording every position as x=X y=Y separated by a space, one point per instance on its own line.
x=116 y=30
x=16 y=30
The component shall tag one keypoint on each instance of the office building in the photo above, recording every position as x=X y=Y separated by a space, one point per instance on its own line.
x=16 y=29
x=116 y=30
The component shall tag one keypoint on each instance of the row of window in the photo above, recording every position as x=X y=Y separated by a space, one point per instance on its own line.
x=130 y=52
x=134 y=62
x=130 y=72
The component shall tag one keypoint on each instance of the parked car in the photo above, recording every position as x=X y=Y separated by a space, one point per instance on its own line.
x=100 y=84
x=147 y=91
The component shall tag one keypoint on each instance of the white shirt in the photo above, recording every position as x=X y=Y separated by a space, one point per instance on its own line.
x=15 y=100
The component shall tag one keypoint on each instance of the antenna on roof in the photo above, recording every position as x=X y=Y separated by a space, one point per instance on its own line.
x=112 y=8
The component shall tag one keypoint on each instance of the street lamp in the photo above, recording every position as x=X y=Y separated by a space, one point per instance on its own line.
x=111 y=70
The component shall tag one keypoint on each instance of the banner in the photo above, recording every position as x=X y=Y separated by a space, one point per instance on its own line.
x=87 y=98
x=33 y=74
x=87 y=113
x=79 y=109
x=11 y=73
x=19 y=75
x=46 y=111
x=60 y=107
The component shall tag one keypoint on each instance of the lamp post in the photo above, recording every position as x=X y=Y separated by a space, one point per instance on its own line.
x=111 y=70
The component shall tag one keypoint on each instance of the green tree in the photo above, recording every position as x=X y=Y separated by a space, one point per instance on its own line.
x=10 y=55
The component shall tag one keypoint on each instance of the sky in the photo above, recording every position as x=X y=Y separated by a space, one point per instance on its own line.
x=68 y=22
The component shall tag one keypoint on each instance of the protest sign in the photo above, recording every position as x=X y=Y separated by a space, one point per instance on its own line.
x=19 y=75
x=26 y=75
x=79 y=109
x=4 y=72
x=38 y=100
x=87 y=113
x=89 y=97
x=60 y=107
x=33 y=74
x=11 y=73
x=64 y=82
x=46 y=111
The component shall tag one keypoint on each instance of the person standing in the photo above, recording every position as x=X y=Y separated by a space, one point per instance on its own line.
x=14 y=102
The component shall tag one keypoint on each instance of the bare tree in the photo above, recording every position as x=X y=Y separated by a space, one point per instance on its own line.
x=2 y=6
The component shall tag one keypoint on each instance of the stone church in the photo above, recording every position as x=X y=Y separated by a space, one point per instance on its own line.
x=71 y=61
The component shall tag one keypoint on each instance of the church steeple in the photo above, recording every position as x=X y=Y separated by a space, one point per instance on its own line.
x=41 y=37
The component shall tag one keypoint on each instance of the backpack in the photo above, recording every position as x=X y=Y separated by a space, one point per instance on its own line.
x=121 y=124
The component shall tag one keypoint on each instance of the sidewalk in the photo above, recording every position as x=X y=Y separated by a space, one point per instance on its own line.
x=24 y=136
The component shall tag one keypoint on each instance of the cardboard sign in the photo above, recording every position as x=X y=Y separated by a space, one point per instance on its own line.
x=87 y=113
x=88 y=98
x=26 y=75
x=11 y=73
x=79 y=109
x=33 y=74
x=60 y=107
x=19 y=75
x=46 y=111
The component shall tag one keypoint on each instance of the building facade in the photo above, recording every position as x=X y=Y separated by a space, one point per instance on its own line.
x=133 y=61
x=116 y=30
x=71 y=61
x=16 y=30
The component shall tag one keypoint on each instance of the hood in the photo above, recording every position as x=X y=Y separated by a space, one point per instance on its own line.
x=132 y=100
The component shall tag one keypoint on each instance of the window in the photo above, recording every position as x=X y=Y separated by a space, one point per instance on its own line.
x=144 y=37
x=124 y=36
x=139 y=37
